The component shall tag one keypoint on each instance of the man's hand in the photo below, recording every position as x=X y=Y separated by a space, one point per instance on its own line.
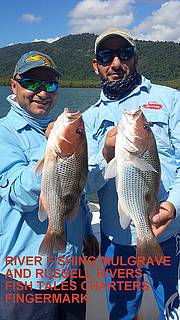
x=91 y=246
x=49 y=128
x=109 y=146
x=161 y=220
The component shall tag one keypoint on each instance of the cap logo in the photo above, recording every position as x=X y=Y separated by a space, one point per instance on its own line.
x=39 y=57
x=152 y=105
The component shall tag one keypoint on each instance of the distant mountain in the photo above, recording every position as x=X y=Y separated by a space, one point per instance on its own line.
x=73 y=54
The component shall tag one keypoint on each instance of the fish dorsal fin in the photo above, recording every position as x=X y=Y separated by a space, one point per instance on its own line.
x=111 y=169
x=124 y=217
x=140 y=163
x=38 y=168
x=43 y=209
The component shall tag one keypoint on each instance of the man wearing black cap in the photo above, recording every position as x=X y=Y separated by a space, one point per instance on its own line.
x=32 y=286
x=123 y=88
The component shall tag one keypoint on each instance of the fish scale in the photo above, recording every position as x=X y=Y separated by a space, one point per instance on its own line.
x=63 y=187
x=64 y=192
x=133 y=188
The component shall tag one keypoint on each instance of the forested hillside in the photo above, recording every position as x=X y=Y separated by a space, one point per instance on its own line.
x=72 y=54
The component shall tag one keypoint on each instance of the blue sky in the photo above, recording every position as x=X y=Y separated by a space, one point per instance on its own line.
x=27 y=21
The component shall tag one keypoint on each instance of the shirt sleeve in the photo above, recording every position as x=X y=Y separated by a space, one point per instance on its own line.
x=96 y=161
x=19 y=186
x=174 y=125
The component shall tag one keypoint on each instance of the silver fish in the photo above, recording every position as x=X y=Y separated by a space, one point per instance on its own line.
x=64 y=171
x=137 y=169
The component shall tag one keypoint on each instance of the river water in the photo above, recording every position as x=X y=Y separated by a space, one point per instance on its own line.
x=74 y=98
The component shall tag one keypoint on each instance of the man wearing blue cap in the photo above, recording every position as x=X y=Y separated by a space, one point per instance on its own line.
x=32 y=286
x=123 y=88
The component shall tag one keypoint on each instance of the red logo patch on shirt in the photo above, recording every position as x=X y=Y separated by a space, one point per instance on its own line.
x=152 y=105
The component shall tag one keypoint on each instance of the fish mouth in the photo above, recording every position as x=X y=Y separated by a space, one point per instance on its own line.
x=133 y=139
x=134 y=114
x=72 y=116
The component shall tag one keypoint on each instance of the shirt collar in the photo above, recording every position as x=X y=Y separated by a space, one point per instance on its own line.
x=107 y=109
x=23 y=118
x=18 y=121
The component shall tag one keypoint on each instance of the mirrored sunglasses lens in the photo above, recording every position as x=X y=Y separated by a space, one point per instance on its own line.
x=34 y=85
x=126 y=53
x=51 y=86
x=105 y=56
x=30 y=84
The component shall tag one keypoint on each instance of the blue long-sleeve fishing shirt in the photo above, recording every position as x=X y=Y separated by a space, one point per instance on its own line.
x=21 y=232
x=161 y=106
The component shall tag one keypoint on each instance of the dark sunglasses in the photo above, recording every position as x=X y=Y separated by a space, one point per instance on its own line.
x=107 y=56
x=34 y=85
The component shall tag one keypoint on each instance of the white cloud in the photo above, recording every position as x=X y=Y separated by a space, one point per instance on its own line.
x=30 y=18
x=96 y=15
x=49 y=40
x=164 y=24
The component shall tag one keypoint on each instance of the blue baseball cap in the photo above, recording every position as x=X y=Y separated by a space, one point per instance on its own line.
x=35 y=59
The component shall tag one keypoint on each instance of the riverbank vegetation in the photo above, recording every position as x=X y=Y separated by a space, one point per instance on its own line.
x=158 y=61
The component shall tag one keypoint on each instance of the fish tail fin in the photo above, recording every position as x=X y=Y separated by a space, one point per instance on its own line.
x=149 y=248
x=53 y=241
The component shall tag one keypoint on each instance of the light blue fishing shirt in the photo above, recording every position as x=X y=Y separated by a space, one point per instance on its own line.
x=161 y=106
x=22 y=144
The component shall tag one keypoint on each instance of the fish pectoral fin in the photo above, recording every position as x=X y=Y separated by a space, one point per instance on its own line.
x=124 y=218
x=111 y=169
x=71 y=216
x=141 y=164
x=43 y=209
x=38 y=168
x=42 y=214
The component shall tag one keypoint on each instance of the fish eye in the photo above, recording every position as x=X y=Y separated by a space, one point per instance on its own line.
x=146 y=127
x=79 y=131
